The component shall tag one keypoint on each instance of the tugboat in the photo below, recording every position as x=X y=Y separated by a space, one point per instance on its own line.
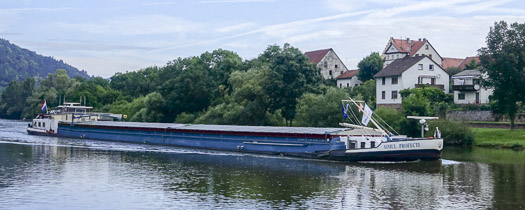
x=46 y=124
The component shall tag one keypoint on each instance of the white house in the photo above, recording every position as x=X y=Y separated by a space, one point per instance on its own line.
x=348 y=79
x=467 y=88
x=327 y=60
x=400 y=48
x=408 y=72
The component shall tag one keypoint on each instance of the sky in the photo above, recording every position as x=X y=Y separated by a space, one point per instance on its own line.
x=104 y=37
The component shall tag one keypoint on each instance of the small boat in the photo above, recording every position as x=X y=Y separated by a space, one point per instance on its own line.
x=351 y=142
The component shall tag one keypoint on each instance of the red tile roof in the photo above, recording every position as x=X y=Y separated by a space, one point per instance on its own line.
x=410 y=46
x=317 y=55
x=451 y=62
x=467 y=61
x=348 y=74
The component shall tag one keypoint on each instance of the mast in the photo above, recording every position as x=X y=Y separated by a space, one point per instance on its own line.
x=371 y=119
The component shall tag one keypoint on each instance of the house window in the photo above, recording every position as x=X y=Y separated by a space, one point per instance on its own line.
x=43 y=124
x=330 y=72
x=461 y=96
x=340 y=85
x=420 y=66
x=397 y=55
x=336 y=66
x=417 y=55
x=394 y=94
x=394 y=80
x=430 y=55
x=340 y=72
x=431 y=67
x=383 y=81
x=426 y=47
x=355 y=85
x=347 y=84
x=325 y=64
x=383 y=94
x=433 y=81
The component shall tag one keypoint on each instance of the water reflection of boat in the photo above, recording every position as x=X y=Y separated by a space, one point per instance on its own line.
x=350 y=143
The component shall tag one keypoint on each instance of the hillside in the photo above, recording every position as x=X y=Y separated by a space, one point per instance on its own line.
x=17 y=63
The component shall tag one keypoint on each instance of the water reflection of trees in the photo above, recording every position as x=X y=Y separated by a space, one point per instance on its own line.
x=483 y=178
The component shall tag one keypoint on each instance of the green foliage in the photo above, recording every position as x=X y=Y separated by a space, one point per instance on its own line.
x=248 y=103
x=503 y=60
x=396 y=119
x=131 y=109
x=473 y=64
x=13 y=99
x=17 y=64
x=365 y=92
x=321 y=110
x=292 y=75
x=453 y=132
x=369 y=66
x=185 y=118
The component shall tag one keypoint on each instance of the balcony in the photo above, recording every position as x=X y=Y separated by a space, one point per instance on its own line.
x=463 y=87
x=441 y=87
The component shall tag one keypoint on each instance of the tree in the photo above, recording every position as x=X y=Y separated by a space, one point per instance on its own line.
x=471 y=65
x=369 y=66
x=503 y=60
x=292 y=75
x=321 y=110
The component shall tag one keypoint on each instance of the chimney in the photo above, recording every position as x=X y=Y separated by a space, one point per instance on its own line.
x=408 y=40
x=419 y=39
x=424 y=39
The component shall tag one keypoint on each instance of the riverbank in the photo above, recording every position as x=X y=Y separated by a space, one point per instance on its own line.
x=499 y=137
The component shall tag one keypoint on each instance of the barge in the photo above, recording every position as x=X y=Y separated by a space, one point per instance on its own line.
x=347 y=143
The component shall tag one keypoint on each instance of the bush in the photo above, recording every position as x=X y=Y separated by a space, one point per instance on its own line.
x=453 y=132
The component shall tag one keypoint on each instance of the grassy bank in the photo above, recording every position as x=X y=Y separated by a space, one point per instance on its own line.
x=498 y=137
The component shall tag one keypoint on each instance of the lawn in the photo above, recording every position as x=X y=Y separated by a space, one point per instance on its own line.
x=499 y=137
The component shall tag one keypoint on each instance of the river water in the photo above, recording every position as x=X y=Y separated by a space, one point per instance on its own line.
x=57 y=173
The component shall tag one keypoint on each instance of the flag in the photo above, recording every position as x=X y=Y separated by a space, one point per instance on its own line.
x=367 y=114
x=344 y=112
x=44 y=106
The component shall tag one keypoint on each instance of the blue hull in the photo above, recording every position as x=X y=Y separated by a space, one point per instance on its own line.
x=289 y=146
x=313 y=146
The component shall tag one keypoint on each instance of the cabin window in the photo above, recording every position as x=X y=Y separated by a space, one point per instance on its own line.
x=383 y=94
x=394 y=94
x=431 y=67
x=394 y=80
x=420 y=66
x=461 y=96
x=383 y=81
x=363 y=145
x=372 y=144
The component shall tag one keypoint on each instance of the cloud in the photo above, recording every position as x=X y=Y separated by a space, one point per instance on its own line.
x=235 y=1
x=232 y=28
x=138 y=25
x=31 y=10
